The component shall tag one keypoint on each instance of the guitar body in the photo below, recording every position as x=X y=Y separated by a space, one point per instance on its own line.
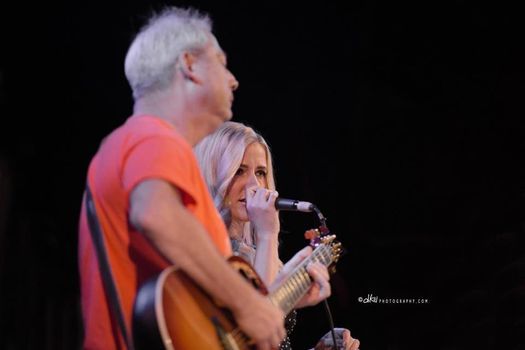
x=173 y=312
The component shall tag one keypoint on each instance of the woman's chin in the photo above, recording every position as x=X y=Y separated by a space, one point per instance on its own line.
x=240 y=215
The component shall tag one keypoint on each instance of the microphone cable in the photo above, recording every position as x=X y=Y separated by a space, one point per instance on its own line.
x=330 y=322
x=324 y=230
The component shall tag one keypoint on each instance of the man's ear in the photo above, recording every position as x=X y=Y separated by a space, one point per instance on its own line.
x=188 y=62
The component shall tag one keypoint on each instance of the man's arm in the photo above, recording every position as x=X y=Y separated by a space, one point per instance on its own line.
x=157 y=211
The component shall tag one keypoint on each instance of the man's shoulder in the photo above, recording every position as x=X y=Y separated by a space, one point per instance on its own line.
x=147 y=126
x=140 y=128
x=138 y=131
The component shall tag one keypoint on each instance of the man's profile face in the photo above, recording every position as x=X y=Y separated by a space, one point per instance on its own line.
x=217 y=81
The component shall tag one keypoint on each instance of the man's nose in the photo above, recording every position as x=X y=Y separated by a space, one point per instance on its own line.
x=234 y=83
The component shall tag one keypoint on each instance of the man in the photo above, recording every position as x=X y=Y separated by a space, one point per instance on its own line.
x=150 y=198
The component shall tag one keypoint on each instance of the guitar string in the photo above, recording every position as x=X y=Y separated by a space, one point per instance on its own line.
x=296 y=284
x=239 y=337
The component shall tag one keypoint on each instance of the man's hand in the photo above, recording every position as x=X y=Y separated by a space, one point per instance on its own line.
x=262 y=322
x=320 y=288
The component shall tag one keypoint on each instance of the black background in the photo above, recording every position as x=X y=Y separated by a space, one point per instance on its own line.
x=401 y=121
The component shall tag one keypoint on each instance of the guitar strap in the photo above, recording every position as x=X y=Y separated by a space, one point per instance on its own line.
x=105 y=269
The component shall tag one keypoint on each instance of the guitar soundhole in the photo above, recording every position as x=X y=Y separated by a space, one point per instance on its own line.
x=249 y=278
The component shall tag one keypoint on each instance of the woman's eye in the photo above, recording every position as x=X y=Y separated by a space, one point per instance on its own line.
x=261 y=173
x=239 y=171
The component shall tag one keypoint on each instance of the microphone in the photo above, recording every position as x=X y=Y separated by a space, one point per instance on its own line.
x=293 y=205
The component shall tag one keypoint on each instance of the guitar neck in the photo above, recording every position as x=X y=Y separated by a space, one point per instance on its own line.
x=295 y=287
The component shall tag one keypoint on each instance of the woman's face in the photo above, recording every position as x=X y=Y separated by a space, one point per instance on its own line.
x=252 y=172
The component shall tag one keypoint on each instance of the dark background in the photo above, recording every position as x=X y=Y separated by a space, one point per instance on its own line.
x=402 y=122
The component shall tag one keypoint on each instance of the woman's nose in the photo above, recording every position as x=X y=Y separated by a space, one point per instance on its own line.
x=252 y=181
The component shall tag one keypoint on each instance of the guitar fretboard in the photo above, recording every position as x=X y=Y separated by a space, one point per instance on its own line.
x=296 y=286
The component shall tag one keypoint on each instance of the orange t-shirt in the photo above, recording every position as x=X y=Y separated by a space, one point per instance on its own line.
x=144 y=147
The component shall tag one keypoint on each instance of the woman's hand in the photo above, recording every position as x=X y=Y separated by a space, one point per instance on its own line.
x=343 y=338
x=260 y=205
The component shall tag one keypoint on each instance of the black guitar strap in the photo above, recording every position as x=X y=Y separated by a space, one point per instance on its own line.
x=105 y=270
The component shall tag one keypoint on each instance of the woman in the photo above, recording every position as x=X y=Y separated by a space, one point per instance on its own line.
x=237 y=167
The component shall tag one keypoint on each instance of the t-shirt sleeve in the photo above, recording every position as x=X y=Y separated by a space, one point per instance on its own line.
x=159 y=157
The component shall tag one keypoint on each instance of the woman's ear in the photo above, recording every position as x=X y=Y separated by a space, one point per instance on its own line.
x=188 y=65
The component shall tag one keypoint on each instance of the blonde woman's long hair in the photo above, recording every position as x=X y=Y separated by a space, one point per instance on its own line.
x=220 y=155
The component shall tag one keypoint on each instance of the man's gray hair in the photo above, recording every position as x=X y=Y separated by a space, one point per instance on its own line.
x=152 y=57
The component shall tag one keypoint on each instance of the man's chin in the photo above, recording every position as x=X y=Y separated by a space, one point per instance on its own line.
x=228 y=116
x=219 y=121
x=224 y=117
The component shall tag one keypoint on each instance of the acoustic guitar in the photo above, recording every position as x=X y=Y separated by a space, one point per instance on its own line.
x=172 y=312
